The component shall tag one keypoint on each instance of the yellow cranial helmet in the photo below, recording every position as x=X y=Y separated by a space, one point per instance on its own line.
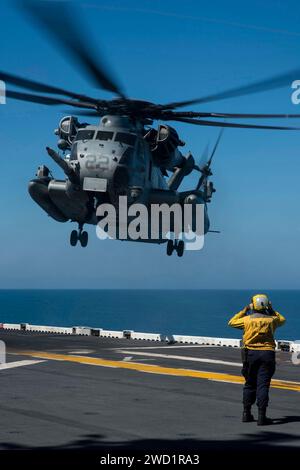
x=260 y=302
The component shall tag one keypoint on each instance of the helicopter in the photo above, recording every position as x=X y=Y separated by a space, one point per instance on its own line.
x=123 y=154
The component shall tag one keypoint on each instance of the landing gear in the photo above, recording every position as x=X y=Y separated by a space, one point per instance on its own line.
x=180 y=248
x=176 y=245
x=170 y=247
x=79 y=236
x=84 y=238
x=73 y=238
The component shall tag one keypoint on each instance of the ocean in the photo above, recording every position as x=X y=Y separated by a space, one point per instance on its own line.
x=189 y=312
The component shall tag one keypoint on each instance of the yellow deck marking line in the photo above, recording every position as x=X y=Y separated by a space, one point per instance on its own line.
x=154 y=369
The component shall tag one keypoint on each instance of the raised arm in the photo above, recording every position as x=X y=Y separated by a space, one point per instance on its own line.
x=238 y=320
x=279 y=320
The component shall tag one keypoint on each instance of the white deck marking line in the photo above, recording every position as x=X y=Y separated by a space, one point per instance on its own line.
x=12 y=365
x=129 y=359
x=182 y=358
x=225 y=381
x=166 y=346
x=78 y=351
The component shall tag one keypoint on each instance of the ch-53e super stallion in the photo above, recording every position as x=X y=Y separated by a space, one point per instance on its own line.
x=122 y=154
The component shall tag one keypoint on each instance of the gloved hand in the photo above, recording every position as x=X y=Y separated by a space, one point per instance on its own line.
x=270 y=309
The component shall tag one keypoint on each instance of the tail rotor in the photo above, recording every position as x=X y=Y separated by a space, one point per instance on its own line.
x=205 y=169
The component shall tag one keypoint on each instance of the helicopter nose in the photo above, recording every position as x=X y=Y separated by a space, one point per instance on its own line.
x=119 y=183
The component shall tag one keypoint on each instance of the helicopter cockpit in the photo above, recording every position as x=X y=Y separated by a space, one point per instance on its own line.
x=121 y=137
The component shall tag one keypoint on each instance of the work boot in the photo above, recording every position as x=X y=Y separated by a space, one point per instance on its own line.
x=262 y=418
x=247 y=416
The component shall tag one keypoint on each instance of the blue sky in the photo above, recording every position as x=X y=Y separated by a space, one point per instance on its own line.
x=162 y=51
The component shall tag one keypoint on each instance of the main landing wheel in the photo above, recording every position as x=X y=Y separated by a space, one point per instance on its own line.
x=180 y=248
x=170 y=247
x=84 y=238
x=177 y=245
x=79 y=236
x=73 y=238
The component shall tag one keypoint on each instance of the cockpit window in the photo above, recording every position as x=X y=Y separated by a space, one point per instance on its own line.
x=104 y=135
x=128 y=139
x=86 y=134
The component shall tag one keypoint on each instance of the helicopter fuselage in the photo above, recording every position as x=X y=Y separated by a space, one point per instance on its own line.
x=116 y=158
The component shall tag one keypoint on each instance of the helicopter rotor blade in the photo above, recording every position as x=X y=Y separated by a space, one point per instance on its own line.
x=215 y=147
x=203 y=159
x=54 y=16
x=272 y=83
x=193 y=114
x=202 y=122
x=48 y=100
x=205 y=169
x=40 y=87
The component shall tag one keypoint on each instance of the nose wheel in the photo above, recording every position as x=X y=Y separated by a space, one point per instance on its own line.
x=176 y=245
x=79 y=236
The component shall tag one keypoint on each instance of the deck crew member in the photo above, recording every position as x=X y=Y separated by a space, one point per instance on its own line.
x=258 y=321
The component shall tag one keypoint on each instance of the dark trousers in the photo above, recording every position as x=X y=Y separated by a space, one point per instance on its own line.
x=258 y=369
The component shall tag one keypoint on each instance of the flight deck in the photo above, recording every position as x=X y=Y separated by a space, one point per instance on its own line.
x=84 y=392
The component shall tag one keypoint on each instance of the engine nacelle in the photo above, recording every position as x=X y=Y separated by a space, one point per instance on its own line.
x=67 y=130
x=163 y=144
